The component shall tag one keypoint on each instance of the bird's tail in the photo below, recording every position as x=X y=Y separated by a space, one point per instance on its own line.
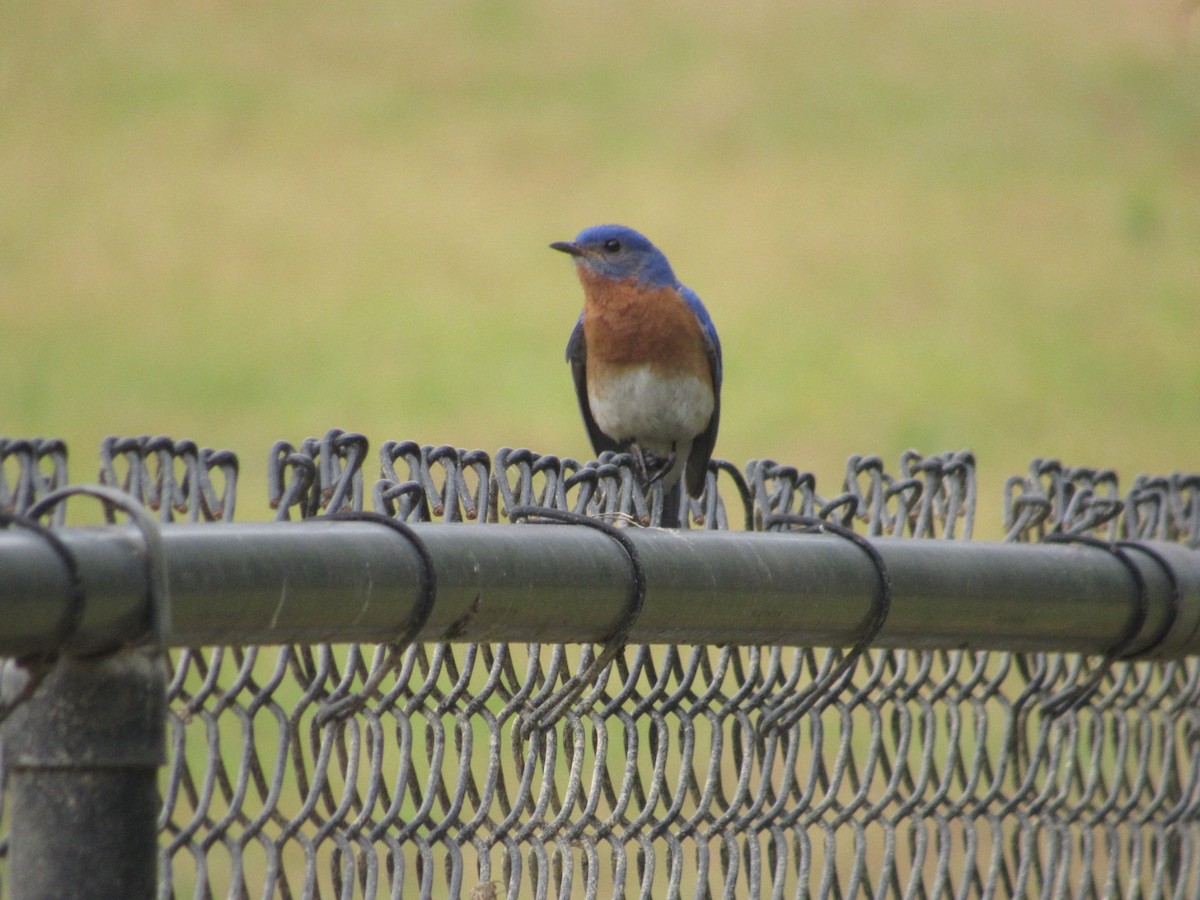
x=672 y=506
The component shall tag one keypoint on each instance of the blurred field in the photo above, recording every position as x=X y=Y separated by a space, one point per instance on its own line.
x=929 y=225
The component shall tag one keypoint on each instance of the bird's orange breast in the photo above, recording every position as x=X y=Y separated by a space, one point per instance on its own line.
x=626 y=327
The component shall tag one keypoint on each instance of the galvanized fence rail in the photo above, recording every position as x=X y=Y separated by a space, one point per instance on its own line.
x=422 y=701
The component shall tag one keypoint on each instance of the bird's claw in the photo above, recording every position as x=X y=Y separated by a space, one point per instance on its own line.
x=664 y=465
x=649 y=466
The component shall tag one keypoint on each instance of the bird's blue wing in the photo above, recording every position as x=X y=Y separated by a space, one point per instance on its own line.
x=712 y=343
x=702 y=446
x=577 y=357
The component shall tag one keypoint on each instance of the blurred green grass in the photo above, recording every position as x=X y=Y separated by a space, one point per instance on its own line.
x=928 y=225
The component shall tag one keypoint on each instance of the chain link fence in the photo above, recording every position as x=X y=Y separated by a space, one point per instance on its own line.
x=699 y=771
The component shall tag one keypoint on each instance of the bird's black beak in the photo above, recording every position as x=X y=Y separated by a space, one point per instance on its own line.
x=568 y=247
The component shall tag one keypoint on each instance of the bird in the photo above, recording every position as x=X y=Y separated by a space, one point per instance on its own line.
x=645 y=358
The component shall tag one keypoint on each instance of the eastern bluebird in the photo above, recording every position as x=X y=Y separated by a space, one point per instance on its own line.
x=645 y=357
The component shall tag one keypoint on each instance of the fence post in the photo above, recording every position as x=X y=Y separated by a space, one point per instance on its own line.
x=83 y=755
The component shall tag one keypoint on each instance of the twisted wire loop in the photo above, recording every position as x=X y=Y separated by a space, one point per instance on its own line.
x=30 y=469
x=930 y=496
x=709 y=511
x=171 y=477
x=463 y=495
x=1164 y=508
x=1054 y=498
x=323 y=475
x=608 y=488
x=700 y=771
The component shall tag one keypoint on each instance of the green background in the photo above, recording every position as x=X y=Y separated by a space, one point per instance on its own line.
x=925 y=225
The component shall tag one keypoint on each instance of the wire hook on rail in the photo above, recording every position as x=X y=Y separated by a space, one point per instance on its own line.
x=550 y=709
x=1072 y=698
x=338 y=707
x=787 y=713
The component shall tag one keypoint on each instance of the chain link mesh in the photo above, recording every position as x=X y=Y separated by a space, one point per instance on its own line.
x=375 y=771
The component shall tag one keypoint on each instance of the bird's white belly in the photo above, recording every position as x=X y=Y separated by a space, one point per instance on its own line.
x=655 y=411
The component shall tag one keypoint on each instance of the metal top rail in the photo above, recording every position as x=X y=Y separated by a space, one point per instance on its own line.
x=273 y=583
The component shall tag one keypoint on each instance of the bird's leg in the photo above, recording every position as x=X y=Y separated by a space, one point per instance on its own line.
x=644 y=461
x=639 y=462
x=664 y=464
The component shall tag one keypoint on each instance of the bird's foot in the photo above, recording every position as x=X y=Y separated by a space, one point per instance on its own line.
x=663 y=464
x=640 y=467
x=651 y=467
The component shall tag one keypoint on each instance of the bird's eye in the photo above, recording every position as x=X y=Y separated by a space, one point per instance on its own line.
x=612 y=245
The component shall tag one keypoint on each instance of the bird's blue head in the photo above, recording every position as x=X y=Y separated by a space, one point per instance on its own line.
x=619 y=253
